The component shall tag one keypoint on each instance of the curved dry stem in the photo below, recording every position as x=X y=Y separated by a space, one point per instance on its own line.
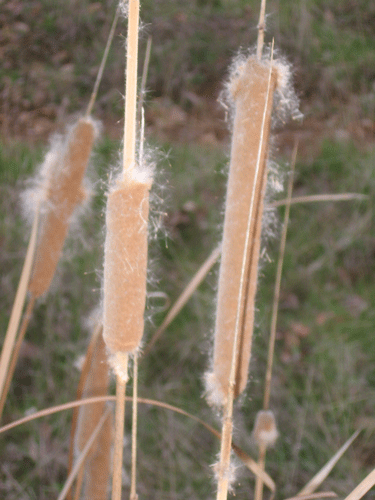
x=246 y=459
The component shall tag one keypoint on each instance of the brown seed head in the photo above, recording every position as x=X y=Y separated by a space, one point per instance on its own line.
x=64 y=192
x=265 y=431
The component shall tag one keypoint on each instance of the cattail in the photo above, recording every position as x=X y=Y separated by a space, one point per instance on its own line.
x=265 y=431
x=97 y=464
x=65 y=165
x=125 y=265
x=252 y=86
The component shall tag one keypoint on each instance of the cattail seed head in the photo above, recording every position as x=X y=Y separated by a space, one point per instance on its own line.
x=62 y=187
x=252 y=86
x=265 y=430
x=125 y=267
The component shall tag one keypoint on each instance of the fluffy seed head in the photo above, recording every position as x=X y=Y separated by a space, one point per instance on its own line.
x=64 y=169
x=245 y=193
x=125 y=267
x=265 y=430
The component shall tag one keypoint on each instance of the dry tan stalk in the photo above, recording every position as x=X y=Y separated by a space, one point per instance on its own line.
x=131 y=87
x=363 y=487
x=146 y=63
x=184 y=297
x=267 y=391
x=261 y=29
x=317 y=480
x=98 y=460
x=103 y=62
x=119 y=433
x=246 y=184
x=313 y=496
x=275 y=305
x=11 y=333
x=14 y=358
x=65 y=191
x=133 y=483
x=320 y=197
x=83 y=455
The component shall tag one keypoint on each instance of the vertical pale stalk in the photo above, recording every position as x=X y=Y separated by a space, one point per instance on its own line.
x=262 y=444
x=253 y=116
x=125 y=259
x=133 y=484
x=11 y=333
x=131 y=88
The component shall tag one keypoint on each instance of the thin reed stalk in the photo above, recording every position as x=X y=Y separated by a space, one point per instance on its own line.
x=267 y=434
x=103 y=62
x=17 y=347
x=15 y=317
x=133 y=483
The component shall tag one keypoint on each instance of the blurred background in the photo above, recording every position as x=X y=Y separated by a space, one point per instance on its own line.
x=324 y=375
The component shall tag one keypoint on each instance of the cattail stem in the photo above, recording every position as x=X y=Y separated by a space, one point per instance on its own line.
x=258 y=494
x=103 y=63
x=133 y=485
x=261 y=29
x=275 y=305
x=83 y=455
x=15 y=317
x=146 y=63
x=14 y=358
x=119 y=434
x=131 y=88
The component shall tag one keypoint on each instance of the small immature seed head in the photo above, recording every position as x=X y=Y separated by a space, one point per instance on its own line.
x=265 y=431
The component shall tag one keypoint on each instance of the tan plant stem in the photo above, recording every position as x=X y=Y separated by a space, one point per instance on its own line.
x=103 y=62
x=14 y=358
x=79 y=483
x=271 y=347
x=133 y=484
x=82 y=456
x=184 y=297
x=262 y=463
x=226 y=439
x=131 y=88
x=15 y=317
x=276 y=297
x=119 y=437
x=320 y=197
x=146 y=63
x=261 y=29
